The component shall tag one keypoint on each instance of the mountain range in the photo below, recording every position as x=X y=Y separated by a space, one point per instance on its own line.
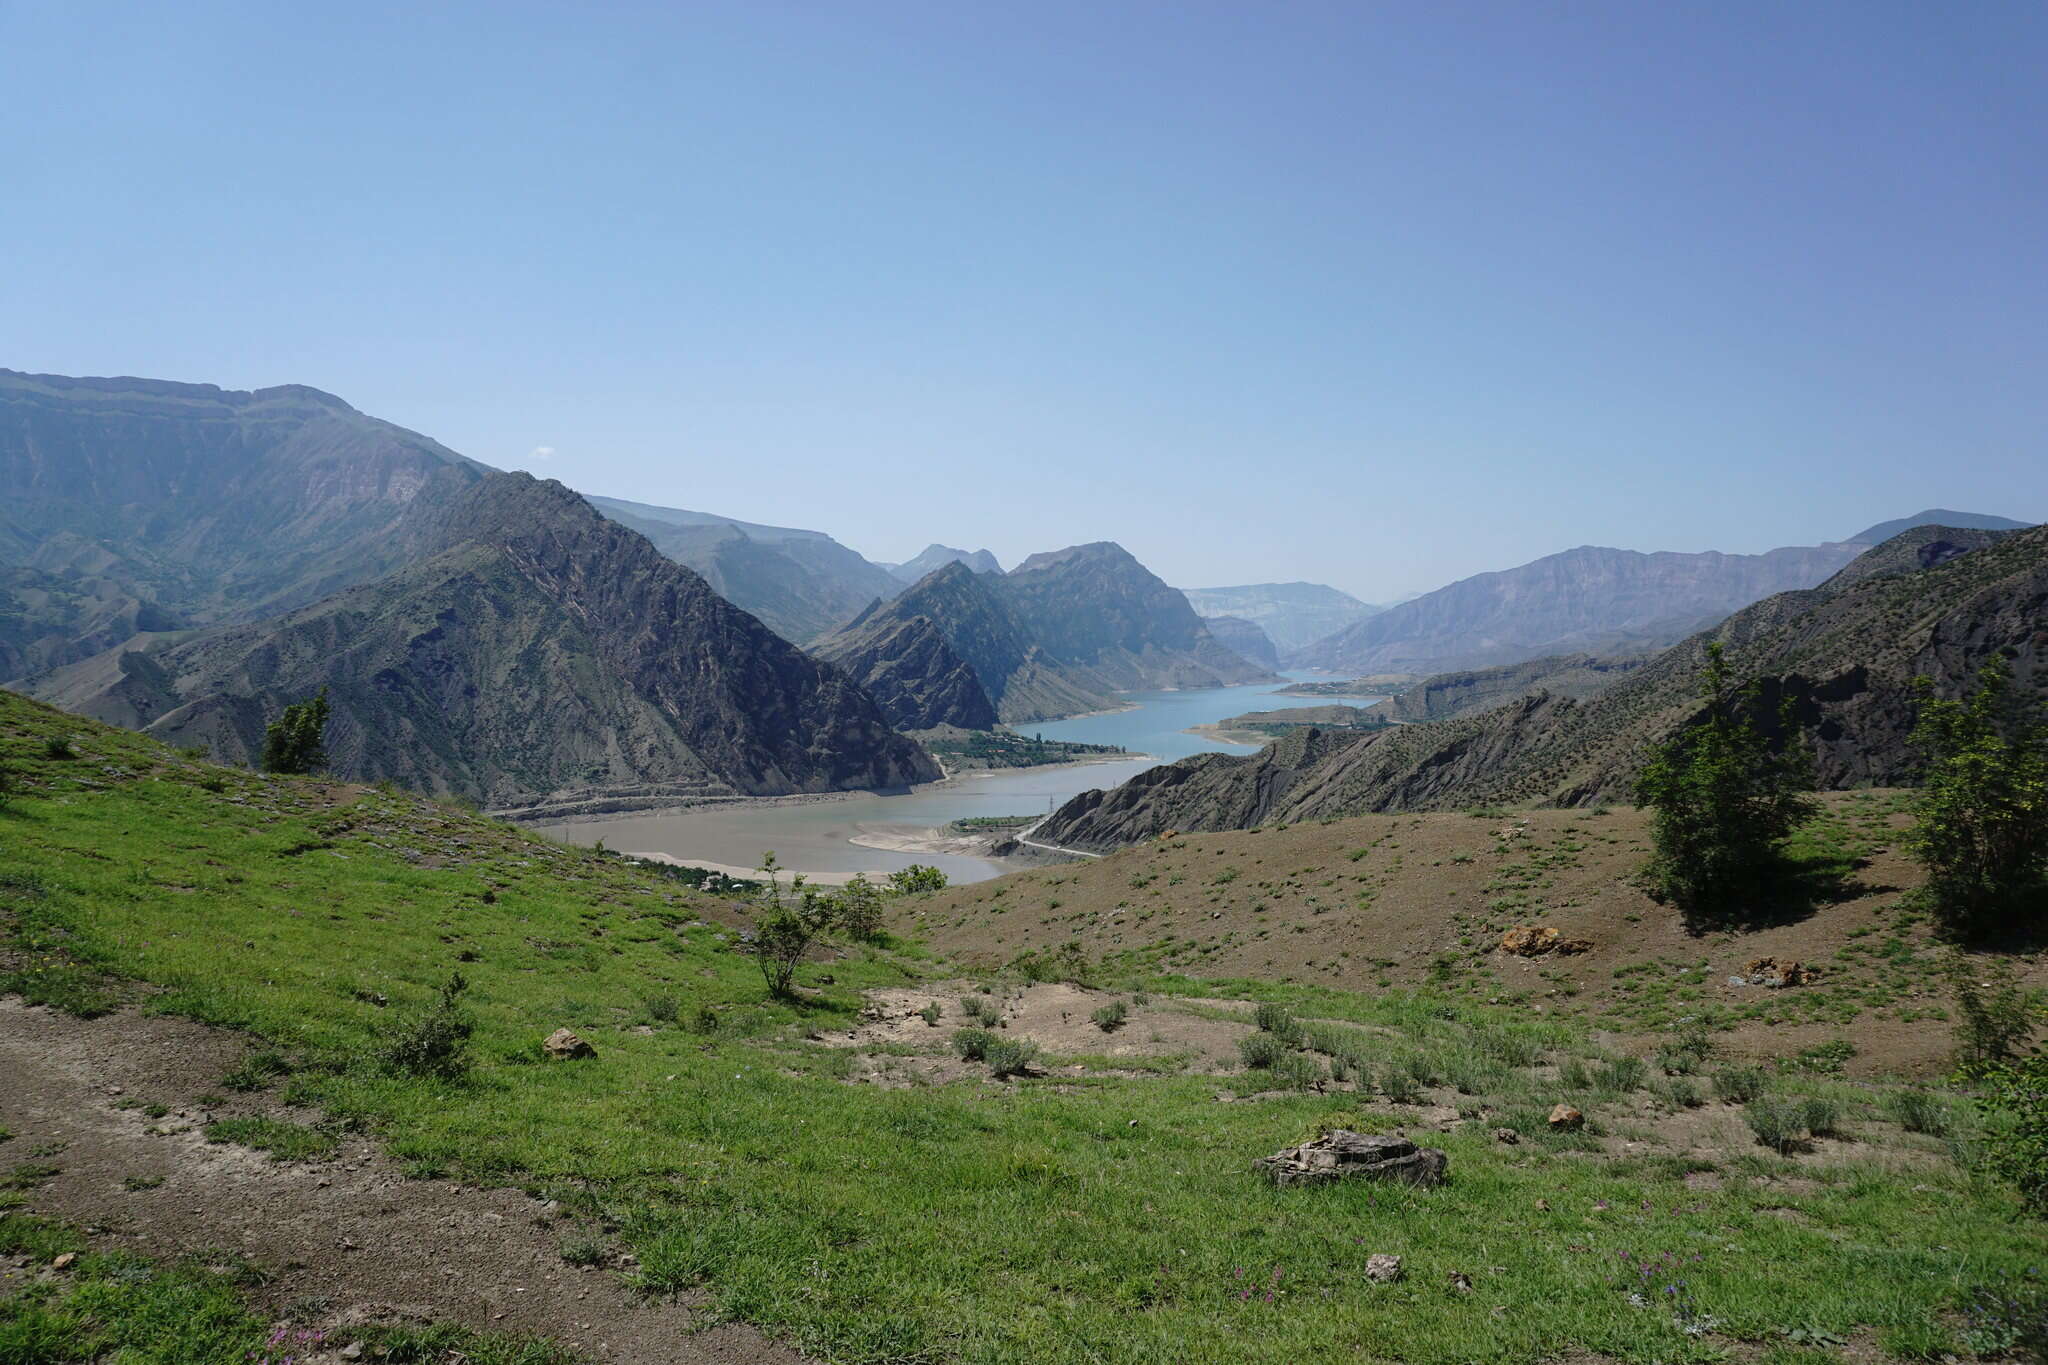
x=1932 y=602
x=1292 y=615
x=1058 y=635
x=938 y=557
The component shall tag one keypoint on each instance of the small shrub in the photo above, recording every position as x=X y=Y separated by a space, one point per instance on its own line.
x=1297 y=1071
x=930 y=1013
x=1260 y=1050
x=1622 y=1075
x=1112 y=1016
x=1575 y=1075
x=59 y=746
x=2015 y=1101
x=1399 y=1087
x=1820 y=1115
x=1918 y=1111
x=2008 y=1319
x=583 y=1251
x=1740 y=1084
x=1822 y=1059
x=435 y=1043
x=256 y=1070
x=1009 y=1056
x=972 y=1044
x=1272 y=1018
x=1678 y=1092
x=705 y=1020
x=663 y=1009
x=1685 y=1054
x=1778 y=1124
x=917 y=879
x=982 y=1009
x=1995 y=1016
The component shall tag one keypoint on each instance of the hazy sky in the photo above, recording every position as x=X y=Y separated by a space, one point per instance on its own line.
x=1373 y=294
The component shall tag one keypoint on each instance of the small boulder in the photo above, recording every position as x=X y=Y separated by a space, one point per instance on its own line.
x=1528 y=940
x=64 y=1260
x=566 y=1046
x=1573 y=947
x=1382 y=1268
x=1565 y=1119
x=1345 y=1155
x=1775 y=974
x=1506 y=1135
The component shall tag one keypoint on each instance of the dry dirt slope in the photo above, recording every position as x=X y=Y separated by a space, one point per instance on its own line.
x=1408 y=900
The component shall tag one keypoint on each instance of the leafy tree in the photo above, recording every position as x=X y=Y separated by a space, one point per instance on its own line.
x=1722 y=800
x=2014 y=1098
x=790 y=924
x=860 y=908
x=295 y=743
x=1982 y=832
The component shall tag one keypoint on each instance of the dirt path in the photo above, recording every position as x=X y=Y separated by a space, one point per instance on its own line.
x=349 y=1231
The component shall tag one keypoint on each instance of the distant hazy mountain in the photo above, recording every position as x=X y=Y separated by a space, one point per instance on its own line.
x=939 y=556
x=801 y=583
x=1245 y=639
x=140 y=500
x=1291 y=614
x=1972 y=521
x=1058 y=635
x=1588 y=600
x=533 y=653
x=1933 y=602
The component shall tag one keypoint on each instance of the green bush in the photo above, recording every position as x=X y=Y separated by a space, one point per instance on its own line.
x=1982 y=808
x=1399 y=1087
x=435 y=1042
x=1678 y=1092
x=1260 y=1050
x=1995 y=1017
x=930 y=1013
x=1620 y=1076
x=663 y=1009
x=917 y=879
x=1918 y=1111
x=1009 y=1056
x=1297 y=1071
x=972 y=1044
x=1722 y=800
x=1272 y=1018
x=59 y=746
x=1821 y=1116
x=1111 y=1017
x=1778 y=1124
x=2014 y=1099
x=1685 y=1054
x=1741 y=1084
x=295 y=743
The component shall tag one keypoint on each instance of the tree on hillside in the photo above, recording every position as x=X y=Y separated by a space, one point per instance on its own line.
x=1982 y=831
x=295 y=743
x=1723 y=800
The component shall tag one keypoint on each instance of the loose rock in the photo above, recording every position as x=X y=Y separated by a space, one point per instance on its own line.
x=1506 y=1135
x=565 y=1045
x=1344 y=1155
x=1382 y=1268
x=1565 y=1119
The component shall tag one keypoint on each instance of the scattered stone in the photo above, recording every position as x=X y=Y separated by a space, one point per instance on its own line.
x=1382 y=1268
x=1573 y=947
x=1506 y=1135
x=63 y=1261
x=1343 y=1154
x=1543 y=1206
x=352 y=1351
x=565 y=1045
x=1461 y=1282
x=1565 y=1119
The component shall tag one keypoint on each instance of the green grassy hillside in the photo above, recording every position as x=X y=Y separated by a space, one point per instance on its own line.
x=1097 y=1210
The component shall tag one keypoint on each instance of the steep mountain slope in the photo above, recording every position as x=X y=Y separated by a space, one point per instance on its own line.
x=1292 y=614
x=1244 y=639
x=208 y=504
x=535 y=653
x=1450 y=694
x=1588 y=600
x=939 y=556
x=51 y=619
x=1937 y=516
x=801 y=583
x=1844 y=656
x=1097 y=610
x=911 y=672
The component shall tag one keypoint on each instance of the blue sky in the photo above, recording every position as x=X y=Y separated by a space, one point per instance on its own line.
x=1376 y=295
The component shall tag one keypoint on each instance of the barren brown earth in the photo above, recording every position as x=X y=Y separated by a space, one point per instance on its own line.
x=1409 y=900
x=344 y=1242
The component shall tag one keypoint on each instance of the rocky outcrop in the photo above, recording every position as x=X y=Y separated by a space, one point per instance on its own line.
x=1344 y=1155
x=535 y=653
x=1578 y=676
x=1841 y=659
x=1588 y=600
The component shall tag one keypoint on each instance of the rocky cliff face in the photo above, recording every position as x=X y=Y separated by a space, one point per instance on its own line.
x=1293 y=615
x=1451 y=694
x=1244 y=639
x=1588 y=600
x=1843 y=657
x=534 y=653
x=802 y=584
x=911 y=672
x=210 y=504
